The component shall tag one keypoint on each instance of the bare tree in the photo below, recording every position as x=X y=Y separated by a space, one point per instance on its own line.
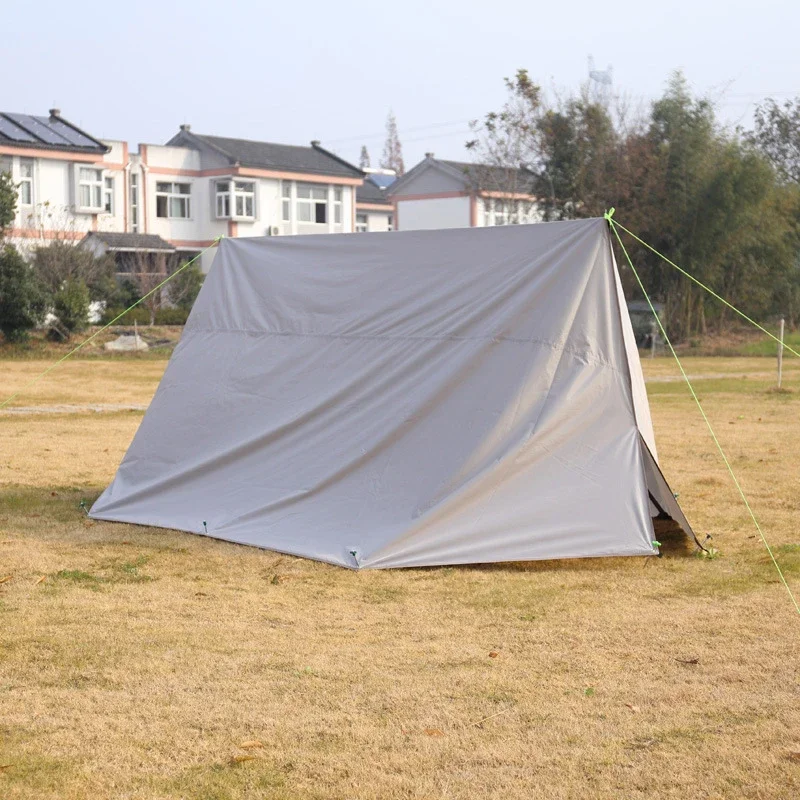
x=392 y=150
x=363 y=161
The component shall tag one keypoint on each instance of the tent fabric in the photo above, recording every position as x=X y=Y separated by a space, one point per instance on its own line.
x=404 y=399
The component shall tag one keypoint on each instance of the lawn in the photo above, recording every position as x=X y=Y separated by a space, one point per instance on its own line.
x=138 y=663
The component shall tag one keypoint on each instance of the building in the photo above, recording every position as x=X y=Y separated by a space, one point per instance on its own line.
x=69 y=183
x=452 y=194
x=198 y=187
x=374 y=208
x=186 y=193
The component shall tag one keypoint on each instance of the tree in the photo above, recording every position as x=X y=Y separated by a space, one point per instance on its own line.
x=62 y=262
x=392 y=150
x=363 y=161
x=777 y=135
x=183 y=289
x=707 y=198
x=23 y=302
x=71 y=309
x=8 y=201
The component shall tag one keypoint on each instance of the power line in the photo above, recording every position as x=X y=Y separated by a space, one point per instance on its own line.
x=370 y=136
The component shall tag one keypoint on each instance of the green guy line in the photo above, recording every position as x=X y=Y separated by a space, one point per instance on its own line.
x=702 y=411
x=107 y=325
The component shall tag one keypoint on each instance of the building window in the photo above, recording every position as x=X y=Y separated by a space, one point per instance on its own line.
x=286 y=202
x=237 y=195
x=172 y=200
x=108 y=196
x=390 y=222
x=361 y=223
x=244 y=197
x=26 y=182
x=337 y=205
x=312 y=203
x=90 y=188
x=5 y=164
x=223 y=194
x=134 y=202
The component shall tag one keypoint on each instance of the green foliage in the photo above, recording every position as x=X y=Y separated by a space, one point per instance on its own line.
x=777 y=135
x=71 y=307
x=709 y=199
x=141 y=315
x=183 y=289
x=23 y=301
x=8 y=201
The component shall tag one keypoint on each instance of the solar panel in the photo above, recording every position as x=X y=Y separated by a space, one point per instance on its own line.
x=39 y=128
x=71 y=135
x=382 y=180
x=11 y=131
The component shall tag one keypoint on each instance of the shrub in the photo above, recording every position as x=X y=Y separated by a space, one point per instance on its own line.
x=23 y=301
x=141 y=315
x=71 y=306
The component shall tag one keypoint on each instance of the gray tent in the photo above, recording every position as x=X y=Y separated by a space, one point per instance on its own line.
x=405 y=399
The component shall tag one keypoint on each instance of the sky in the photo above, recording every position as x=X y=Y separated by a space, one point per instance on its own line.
x=295 y=71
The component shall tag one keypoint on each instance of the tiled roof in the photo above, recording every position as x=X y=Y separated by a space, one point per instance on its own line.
x=131 y=241
x=46 y=133
x=371 y=193
x=267 y=155
x=491 y=178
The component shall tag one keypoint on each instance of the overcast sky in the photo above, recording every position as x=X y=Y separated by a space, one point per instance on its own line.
x=295 y=71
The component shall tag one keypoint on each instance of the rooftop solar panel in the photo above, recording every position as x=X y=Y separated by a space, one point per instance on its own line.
x=14 y=132
x=39 y=128
x=71 y=135
x=382 y=180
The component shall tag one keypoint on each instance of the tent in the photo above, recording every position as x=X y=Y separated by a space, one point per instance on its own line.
x=405 y=399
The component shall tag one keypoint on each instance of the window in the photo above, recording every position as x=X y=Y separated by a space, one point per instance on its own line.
x=26 y=182
x=90 y=188
x=5 y=164
x=337 y=205
x=390 y=222
x=242 y=199
x=172 y=200
x=361 y=223
x=286 y=201
x=244 y=196
x=134 y=202
x=108 y=196
x=312 y=203
x=223 y=194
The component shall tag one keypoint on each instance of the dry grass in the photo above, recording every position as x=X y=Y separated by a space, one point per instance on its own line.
x=145 y=660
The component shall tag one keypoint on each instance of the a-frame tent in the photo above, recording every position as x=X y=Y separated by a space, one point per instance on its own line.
x=405 y=399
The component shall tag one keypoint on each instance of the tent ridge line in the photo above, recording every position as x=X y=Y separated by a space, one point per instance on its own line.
x=375 y=337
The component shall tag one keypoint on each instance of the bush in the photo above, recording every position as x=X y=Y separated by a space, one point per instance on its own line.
x=141 y=315
x=185 y=286
x=23 y=301
x=71 y=307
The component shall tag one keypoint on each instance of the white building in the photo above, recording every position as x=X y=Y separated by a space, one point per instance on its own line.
x=452 y=194
x=374 y=208
x=187 y=192
x=68 y=182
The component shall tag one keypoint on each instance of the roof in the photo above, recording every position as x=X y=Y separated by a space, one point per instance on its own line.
x=131 y=241
x=478 y=177
x=267 y=155
x=372 y=193
x=494 y=178
x=46 y=133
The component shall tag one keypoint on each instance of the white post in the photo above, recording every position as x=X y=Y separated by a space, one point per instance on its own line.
x=780 y=355
x=136 y=336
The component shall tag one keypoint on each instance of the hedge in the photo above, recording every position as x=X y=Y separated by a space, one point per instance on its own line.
x=164 y=316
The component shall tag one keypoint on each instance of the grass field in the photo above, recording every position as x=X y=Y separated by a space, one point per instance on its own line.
x=138 y=663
